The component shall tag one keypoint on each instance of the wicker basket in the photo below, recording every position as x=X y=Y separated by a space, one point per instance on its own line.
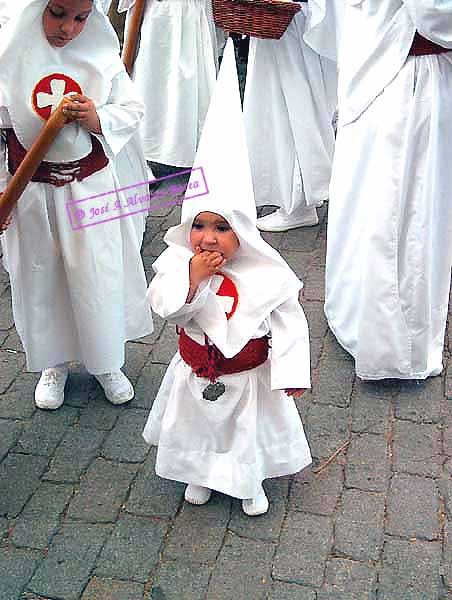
x=266 y=19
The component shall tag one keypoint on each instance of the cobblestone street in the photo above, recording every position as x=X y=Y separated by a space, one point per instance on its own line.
x=83 y=515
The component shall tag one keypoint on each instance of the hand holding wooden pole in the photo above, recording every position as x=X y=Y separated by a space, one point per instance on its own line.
x=32 y=160
x=130 y=45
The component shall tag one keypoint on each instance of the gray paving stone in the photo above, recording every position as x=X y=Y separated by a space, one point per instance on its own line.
x=242 y=570
x=9 y=434
x=333 y=350
x=327 y=429
x=368 y=466
x=359 y=525
x=447 y=437
x=6 y=313
x=413 y=507
x=410 y=570
x=294 y=242
x=316 y=319
x=153 y=496
x=77 y=450
x=40 y=518
x=13 y=342
x=4 y=528
x=370 y=414
x=199 y=531
x=417 y=448
x=148 y=385
x=125 y=442
x=18 y=401
x=11 y=365
x=299 y=262
x=290 y=591
x=335 y=383
x=447 y=563
x=99 y=413
x=315 y=348
x=273 y=238
x=45 y=431
x=312 y=534
x=176 y=580
x=136 y=357
x=108 y=589
x=102 y=492
x=19 y=478
x=133 y=548
x=445 y=486
x=348 y=580
x=420 y=401
x=269 y=526
x=80 y=385
x=16 y=569
x=317 y=493
x=314 y=284
x=166 y=347
x=66 y=570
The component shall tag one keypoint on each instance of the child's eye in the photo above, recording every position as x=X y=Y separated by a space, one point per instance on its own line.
x=223 y=228
x=81 y=19
x=196 y=226
x=55 y=14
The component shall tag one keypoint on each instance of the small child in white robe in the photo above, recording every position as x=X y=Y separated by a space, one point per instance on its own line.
x=224 y=418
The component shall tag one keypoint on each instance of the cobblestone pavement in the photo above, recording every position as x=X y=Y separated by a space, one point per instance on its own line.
x=83 y=516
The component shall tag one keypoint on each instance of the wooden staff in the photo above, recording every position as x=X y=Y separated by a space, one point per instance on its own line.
x=130 y=46
x=32 y=160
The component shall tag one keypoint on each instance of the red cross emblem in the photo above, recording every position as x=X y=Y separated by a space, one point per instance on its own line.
x=229 y=295
x=49 y=91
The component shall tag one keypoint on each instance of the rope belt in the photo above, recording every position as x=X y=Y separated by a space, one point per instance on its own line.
x=207 y=361
x=57 y=174
x=422 y=47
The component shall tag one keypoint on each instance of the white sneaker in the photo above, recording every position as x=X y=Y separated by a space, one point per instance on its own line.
x=117 y=387
x=49 y=393
x=257 y=505
x=197 y=494
x=281 y=221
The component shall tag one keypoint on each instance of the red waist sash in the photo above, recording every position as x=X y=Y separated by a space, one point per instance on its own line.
x=421 y=47
x=208 y=361
x=57 y=174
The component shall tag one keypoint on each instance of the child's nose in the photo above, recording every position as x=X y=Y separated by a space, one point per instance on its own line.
x=67 y=26
x=210 y=238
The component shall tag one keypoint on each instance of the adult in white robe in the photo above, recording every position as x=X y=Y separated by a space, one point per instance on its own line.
x=174 y=71
x=290 y=100
x=390 y=215
x=253 y=430
x=77 y=295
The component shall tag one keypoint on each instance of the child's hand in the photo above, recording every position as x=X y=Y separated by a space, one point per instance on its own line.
x=295 y=392
x=202 y=265
x=82 y=109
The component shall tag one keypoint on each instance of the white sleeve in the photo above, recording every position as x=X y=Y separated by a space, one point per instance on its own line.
x=432 y=19
x=121 y=116
x=4 y=123
x=290 y=361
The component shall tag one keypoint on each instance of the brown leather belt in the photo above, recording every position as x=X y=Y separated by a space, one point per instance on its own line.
x=208 y=361
x=422 y=47
x=57 y=174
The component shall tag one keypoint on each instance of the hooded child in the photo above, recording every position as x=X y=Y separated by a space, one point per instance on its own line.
x=77 y=295
x=221 y=419
x=290 y=101
x=390 y=215
x=175 y=72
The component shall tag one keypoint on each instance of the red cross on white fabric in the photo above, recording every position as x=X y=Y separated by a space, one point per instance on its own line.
x=49 y=91
x=228 y=295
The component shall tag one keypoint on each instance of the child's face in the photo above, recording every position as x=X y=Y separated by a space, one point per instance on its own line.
x=213 y=233
x=64 y=20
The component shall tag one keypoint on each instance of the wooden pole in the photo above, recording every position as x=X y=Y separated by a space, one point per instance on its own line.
x=130 y=45
x=32 y=160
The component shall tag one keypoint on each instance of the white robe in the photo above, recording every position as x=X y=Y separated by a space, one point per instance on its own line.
x=251 y=432
x=390 y=215
x=79 y=295
x=290 y=99
x=175 y=71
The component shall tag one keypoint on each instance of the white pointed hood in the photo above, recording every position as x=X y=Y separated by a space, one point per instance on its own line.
x=262 y=277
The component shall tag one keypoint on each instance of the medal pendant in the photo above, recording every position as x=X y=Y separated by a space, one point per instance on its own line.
x=213 y=391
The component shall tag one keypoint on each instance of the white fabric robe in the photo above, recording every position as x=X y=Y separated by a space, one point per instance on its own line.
x=251 y=432
x=79 y=295
x=390 y=215
x=290 y=100
x=175 y=71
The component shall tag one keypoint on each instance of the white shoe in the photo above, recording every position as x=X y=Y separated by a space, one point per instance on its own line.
x=117 y=387
x=257 y=505
x=49 y=393
x=281 y=221
x=197 y=494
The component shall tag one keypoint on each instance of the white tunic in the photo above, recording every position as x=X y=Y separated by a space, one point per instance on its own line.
x=251 y=432
x=175 y=72
x=390 y=215
x=290 y=99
